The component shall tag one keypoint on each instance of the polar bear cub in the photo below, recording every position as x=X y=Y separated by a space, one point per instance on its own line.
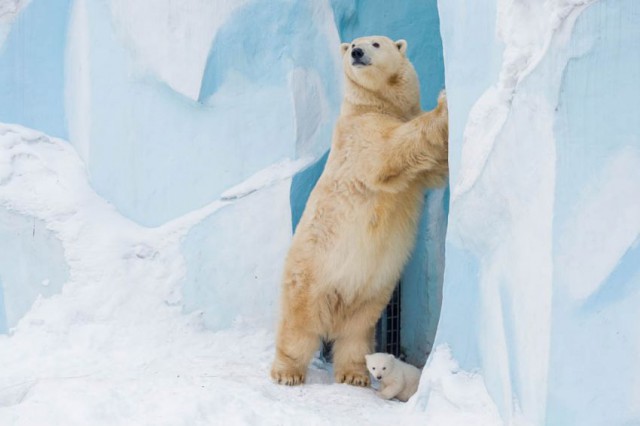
x=397 y=379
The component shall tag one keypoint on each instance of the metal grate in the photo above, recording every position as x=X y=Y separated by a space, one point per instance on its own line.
x=388 y=328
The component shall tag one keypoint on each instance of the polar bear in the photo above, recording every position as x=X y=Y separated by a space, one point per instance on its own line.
x=397 y=379
x=360 y=221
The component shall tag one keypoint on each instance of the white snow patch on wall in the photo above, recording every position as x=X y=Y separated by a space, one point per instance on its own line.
x=311 y=110
x=283 y=170
x=9 y=10
x=172 y=38
x=606 y=224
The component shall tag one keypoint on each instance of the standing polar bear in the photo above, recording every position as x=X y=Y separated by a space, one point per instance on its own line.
x=359 y=225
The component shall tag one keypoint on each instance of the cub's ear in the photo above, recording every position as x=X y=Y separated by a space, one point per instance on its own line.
x=367 y=357
x=390 y=356
x=344 y=47
x=401 y=45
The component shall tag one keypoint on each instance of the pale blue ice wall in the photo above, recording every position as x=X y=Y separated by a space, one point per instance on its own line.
x=32 y=68
x=32 y=263
x=151 y=150
x=542 y=281
x=595 y=341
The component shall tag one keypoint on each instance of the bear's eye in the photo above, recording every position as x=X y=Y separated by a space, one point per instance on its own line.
x=384 y=368
x=353 y=45
x=376 y=45
x=374 y=368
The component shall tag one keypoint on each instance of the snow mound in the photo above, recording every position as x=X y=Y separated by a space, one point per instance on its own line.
x=113 y=349
x=451 y=396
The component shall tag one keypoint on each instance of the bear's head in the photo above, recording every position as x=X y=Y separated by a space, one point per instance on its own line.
x=379 y=66
x=380 y=365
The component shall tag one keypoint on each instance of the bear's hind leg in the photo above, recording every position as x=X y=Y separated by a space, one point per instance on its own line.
x=349 y=364
x=295 y=347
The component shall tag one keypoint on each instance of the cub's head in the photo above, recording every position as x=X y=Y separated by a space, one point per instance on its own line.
x=380 y=364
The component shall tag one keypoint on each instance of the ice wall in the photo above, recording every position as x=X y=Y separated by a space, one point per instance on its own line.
x=32 y=264
x=168 y=103
x=32 y=45
x=543 y=267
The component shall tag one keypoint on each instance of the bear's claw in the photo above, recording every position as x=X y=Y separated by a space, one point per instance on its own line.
x=287 y=378
x=355 y=379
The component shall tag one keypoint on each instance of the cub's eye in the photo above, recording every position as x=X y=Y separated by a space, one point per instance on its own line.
x=384 y=368
x=376 y=45
x=374 y=368
x=353 y=45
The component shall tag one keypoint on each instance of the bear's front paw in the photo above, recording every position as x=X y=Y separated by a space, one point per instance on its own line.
x=287 y=377
x=353 y=378
x=442 y=98
x=443 y=107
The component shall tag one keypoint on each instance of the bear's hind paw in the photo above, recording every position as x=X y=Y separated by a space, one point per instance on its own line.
x=352 y=378
x=287 y=378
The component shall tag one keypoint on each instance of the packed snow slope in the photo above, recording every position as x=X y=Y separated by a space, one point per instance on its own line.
x=542 y=278
x=114 y=347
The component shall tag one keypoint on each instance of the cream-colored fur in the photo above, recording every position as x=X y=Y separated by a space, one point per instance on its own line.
x=359 y=225
x=397 y=379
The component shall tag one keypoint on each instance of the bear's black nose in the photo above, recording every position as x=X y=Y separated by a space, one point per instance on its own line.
x=357 y=53
x=379 y=377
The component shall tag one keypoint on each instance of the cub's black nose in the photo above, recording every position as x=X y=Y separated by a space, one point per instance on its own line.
x=379 y=377
x=357 y=53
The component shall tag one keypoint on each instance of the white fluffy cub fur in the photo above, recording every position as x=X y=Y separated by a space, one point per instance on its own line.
x=397 y=379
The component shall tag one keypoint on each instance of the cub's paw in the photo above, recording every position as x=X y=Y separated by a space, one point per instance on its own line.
x=287 y=377
x=353 y=378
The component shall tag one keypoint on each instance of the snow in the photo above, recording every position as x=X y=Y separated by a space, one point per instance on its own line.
x=451 y=396
x=172 y=39
x=114 y=347
x=283 y=170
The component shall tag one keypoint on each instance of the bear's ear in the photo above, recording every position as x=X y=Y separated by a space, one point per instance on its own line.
x=401 y=45
x=344 y=47
x=367 y=357
x=390 y=356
